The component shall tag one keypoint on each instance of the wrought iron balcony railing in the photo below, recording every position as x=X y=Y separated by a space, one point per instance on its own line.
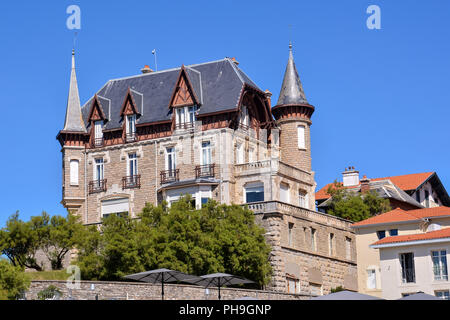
x=131 y=182
x=185 y=125
x=170 y=176
x=205 y=171
x=97 y=186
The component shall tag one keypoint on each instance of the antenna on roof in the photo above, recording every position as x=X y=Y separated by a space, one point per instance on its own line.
x=156 y=63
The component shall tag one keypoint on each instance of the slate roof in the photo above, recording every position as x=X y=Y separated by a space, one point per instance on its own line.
x=218 y=86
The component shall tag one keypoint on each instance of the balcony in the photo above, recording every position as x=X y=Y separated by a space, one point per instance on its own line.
x=130 y=137
x=205 y=171
x=97 y=186
x=185 y=126
x=131 y=182
x=170 y=176
x=98 y=142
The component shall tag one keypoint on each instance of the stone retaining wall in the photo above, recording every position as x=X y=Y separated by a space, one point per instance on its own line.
x=89 y=290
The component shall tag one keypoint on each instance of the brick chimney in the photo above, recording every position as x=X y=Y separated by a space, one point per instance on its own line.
x=350 y=177
x=365 y=184
x=146 y=69
x=234 y=61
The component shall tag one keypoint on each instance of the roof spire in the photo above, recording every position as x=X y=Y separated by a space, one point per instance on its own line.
x=74 y=121
x=292 y=89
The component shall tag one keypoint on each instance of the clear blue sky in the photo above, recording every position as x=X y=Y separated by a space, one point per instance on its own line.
x=381 y=96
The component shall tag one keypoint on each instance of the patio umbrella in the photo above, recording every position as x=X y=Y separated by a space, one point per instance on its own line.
x=346 y=295
x=161 y=276
x=218 y=280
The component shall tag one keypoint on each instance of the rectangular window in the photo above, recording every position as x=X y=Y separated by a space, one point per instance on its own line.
x=381 y=234
x=316 y=289
x=331 y=244
x=170 y=159
x=251 y=155
x=254 y=193
x=393 y=232
x=192 y=114
x=313 y=239
x=98 y=132
x=206 y=153
x=303 y=199
x=407 y=265
x=290 y=231
x=371 y=279
x=439 y=259
x=132 y=165
x=348 y=248
x=131 y=124
x=301 y=137
x=115 y=206
x=240 y=154
x=284 y=193
x=293 y=285
x=99 y=170
x=204 y=201
x=74 y=168
x=444 y=294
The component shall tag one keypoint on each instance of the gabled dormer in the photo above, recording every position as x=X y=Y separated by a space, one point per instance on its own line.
x=184 y=101
x=97 y=120
x=129 y=113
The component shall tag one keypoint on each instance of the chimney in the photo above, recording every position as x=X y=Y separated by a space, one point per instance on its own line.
x=350 y=177
x=235 y=61
x=146 y=69
x=365 y=187
x=268 y=96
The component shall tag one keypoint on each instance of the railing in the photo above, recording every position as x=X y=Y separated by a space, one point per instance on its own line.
x=131 y=182
x=170 y=176
x=97 y=186
x=204 y=171
x=252 y=166
x=408 y=275
x=131 y=137
x=98 y=142
x=185 y=125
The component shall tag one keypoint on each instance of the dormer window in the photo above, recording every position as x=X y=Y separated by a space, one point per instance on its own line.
x=98 y=133
x=185 y=117
x=131 y=128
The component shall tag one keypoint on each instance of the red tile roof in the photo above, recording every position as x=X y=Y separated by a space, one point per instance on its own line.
x=439 y=234
x=404 y=182
x=399 y=215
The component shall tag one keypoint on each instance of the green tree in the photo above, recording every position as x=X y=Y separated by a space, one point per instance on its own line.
x=13 y=280
x=355 y=206
x=216 y=238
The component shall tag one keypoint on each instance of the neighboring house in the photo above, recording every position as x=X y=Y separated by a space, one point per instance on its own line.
x=408 y=192
x=394 y=223
x=209 y=131
x=415 y=263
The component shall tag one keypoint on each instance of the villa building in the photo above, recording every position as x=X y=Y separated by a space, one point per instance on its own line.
x=209 y=131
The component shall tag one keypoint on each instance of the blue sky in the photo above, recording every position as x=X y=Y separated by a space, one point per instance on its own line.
x=381 y=96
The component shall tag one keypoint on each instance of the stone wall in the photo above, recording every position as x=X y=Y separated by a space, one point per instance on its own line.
x=143 y=291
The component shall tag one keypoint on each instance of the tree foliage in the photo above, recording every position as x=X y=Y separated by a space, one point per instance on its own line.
x=13 y=280
x=355 y=206
x=55 y=236
x=216 y=238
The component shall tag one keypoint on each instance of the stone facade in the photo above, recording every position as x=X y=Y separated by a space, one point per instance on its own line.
x=92 y=290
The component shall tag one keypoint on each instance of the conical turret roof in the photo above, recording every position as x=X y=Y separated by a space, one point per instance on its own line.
x=74 y=121
x=292 y=90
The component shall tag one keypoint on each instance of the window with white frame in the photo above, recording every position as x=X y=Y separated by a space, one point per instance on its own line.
x=132 y=165
x=171 y=160
x=254 y=192
x=348 y=248
x=439 y=259
x=115 y=206
x=301 y=137
x=284 y=192
x=371 y=279
x=206 y=153
x=131 y=125
x=99 y=170
x=303 y=199
x=74 y=168
x=407 y=266
x=185 y=116
x=239 y=153
x=98 y=132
